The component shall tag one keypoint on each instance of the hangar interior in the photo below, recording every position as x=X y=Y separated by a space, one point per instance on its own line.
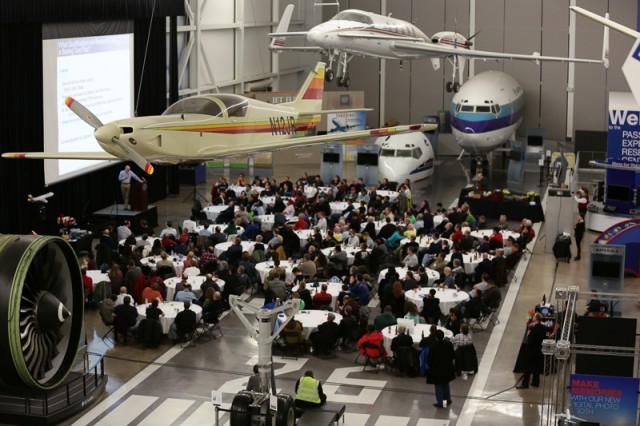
x=221 y=46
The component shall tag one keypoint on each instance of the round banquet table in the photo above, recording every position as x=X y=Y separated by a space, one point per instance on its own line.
x=222 y=247
x=139 y=238
x=212 y=212
x=449 y=297
x=305 y=234
x=178 y=262
x=431 y=274
x=471 y=260
x=479 y=234
x=169 y=309
x=238 y=189
x=222 y=227
x=333 y=289
x=308 y=190
x=311 y=319
x=425 y=240
x=338 y=206
x=263 y=269
x=437 y=219
x=268 y=220
x=393 y=195
x=195 y=281
x=351 y=252
x=418 y=331
x=378 y=224
x=97 y=276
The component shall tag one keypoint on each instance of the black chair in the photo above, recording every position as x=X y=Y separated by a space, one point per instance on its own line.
x=466 y=359
x=209 y=325
x=166 y=272
x=293 y=344
x=187 y=334
x=150 y=333
x=121 y=327
x=405 y=361
x=373 y=355
x=111 y=329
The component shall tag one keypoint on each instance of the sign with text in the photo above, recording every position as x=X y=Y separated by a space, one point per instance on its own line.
x=604 y=399
x=624 y=129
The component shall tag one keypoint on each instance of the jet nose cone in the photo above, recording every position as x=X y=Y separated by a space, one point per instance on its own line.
x=106 y=133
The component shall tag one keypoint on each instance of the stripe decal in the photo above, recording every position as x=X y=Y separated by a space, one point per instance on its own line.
x=251 y=127
x=473 y=122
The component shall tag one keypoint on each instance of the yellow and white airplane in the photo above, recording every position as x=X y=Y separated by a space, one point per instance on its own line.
x=208 y=127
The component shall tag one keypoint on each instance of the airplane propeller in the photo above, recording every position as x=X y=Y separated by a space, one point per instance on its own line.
x=102 y=132
x=469 y=43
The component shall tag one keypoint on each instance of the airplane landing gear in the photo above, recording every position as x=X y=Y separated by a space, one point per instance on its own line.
x=344 y=81
x=452 y=87
x=247 y=406
x=328 y=75
x=479 y=164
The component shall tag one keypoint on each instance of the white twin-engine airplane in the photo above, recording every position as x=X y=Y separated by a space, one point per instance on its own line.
x=209 y=127
x=40 y=198
x=357 y=32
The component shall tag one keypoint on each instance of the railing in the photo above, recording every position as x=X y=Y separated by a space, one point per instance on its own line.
x=46 y=403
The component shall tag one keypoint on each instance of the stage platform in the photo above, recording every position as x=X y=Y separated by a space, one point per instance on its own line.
x=116 y=213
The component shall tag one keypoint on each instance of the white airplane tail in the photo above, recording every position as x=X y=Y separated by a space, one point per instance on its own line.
x=309 y=98
x=283 y=27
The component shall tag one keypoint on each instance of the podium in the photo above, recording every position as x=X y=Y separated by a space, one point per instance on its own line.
x=138 y=196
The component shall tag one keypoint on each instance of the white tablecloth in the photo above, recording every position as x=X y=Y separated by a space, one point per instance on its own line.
x=338 y=206
x=195 y=281
x=178 y=262
x=269 y=201
x=139 y=238
x=306 y=234
x=240 y=189
x=418 y=331
x=169 y=309
x=263 y=269
x=222 y=227
x=393 y=195
x=222 y=247
x=212 y=212
x=479 y=234
x=431 y=274
x=437 y=219
x=311 y=319
x=471 y=260
x=333 y=289
x=424 y=241
x=268 y=220
x=308 y=190
x=449 y=297
x=378 y=223
x=97 y=276
x=351 y=252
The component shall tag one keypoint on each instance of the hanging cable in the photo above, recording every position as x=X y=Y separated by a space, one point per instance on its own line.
x=144 y=60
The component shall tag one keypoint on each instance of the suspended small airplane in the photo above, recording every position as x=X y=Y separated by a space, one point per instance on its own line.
x=568 y=418
x=215 y=126
x=40 y=198
x=408 y=156
x=357 y=32
x=486 y=112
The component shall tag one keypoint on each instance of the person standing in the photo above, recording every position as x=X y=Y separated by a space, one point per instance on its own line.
x=533 y=347
x=125 y=177
x=582 y=198
x=441 y=369
x=579 y=233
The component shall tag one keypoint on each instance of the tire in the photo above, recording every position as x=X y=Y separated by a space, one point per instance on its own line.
x=42 y=307
x=240 y=414
x=346 y=82
x=339 y=81
x=448 y=87
x=456 y=87
x=329 y=75
x=286 y=415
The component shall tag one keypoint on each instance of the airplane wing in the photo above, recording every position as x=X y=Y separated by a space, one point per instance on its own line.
x=363 y=34
x=334 y=111
x=232 y=151
x=430 y=50
x=60 y=155
x=281 y=34
x=604 y=21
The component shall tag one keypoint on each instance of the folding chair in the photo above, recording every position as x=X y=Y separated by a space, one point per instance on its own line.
x=373 y=361
x=209 y=325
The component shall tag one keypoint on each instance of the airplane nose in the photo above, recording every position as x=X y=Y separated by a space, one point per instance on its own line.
x=106 y=133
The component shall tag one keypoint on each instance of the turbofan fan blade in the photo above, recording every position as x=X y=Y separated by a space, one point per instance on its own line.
x=82 y=112
x=135 y=157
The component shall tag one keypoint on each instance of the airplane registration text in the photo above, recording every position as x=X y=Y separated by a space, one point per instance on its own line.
x=282 y=125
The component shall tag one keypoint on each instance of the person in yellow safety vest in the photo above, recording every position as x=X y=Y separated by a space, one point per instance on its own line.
x=309 y=391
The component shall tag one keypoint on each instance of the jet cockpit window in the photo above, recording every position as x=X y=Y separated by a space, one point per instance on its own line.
x=416 y=153
x=483 y=108
x=385 y=152
x=195 y=106
x=495 y=108
x=236 y=106
x=403 y=153
x=353 y=16
x=466 y=108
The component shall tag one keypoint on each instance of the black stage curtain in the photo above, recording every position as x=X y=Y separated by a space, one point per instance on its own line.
x=21 y=129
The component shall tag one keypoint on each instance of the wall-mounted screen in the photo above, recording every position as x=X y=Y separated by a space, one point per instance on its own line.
x=618 y=192
x=601 y=269
x=331 y=157
x=367 y=159
x=92 y=63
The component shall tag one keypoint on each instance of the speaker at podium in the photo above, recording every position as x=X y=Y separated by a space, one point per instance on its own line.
x=138 y=196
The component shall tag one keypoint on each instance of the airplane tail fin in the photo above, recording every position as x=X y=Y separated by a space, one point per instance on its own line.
x=605 y=44
x=309 y=97
x=283 y=27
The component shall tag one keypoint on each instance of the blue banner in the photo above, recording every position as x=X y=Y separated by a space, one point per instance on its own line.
x=624 y=136
x=604 y=399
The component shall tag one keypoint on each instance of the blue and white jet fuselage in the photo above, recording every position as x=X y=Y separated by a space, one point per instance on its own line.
x=486 y=112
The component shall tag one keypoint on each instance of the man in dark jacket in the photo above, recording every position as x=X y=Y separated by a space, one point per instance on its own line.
x=441 y=369
x=533 y=346
x=326 y=336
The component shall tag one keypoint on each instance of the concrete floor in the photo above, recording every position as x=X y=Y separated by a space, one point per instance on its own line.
x=172 y=386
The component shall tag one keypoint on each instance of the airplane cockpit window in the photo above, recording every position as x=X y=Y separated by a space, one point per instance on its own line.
x=353 y=16
x=495 y=108
x=387 y=152
x=236 y=106
x=403 y=153
x=195 y=106
x=483 y=108
x=416 y=153
x=466 y=108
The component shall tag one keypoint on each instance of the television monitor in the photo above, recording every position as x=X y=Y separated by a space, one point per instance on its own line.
x=367 y=159
x=618 y=192
x=602 y=269
x=331 y=157
x=535 y=140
